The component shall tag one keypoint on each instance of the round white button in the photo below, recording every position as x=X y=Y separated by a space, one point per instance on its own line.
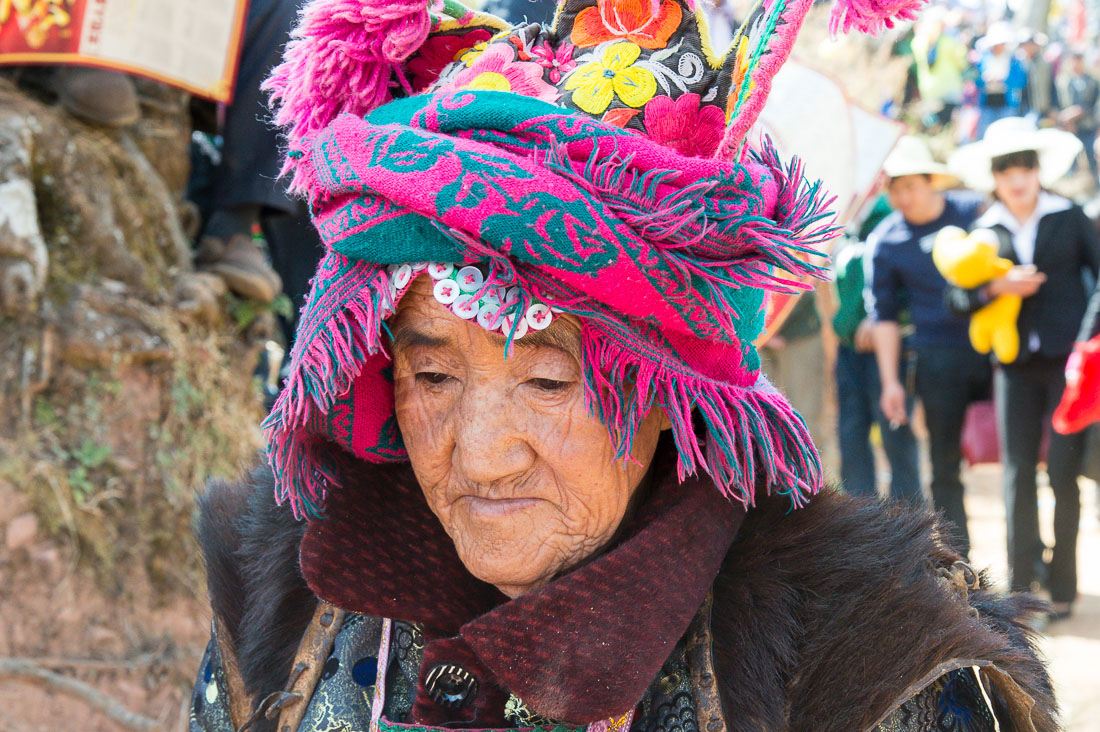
x=470 y=279
x=440 y=270
x=539 y=317
x=465 y=307
x=402 y=276
x=511 y=295
x=418 y=266
x=487 y=316
x=521 y=327
x=492 y=297
x=446 y=291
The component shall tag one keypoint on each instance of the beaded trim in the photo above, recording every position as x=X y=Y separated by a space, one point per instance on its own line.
x=467 y=294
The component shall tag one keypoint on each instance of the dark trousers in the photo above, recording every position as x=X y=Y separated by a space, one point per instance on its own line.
x=858 y=389
x=1026 y=395
x=948 y=380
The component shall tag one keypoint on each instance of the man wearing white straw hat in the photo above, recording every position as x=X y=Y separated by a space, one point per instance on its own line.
x=1053 y=245
x=902 y=276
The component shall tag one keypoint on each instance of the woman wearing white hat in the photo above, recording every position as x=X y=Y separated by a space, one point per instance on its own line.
x=1001 y=75
x=1052 y=244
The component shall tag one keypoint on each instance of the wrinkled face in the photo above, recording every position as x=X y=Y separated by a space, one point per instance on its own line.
x=1017 y=187
x=913 y=195
x=523 y=478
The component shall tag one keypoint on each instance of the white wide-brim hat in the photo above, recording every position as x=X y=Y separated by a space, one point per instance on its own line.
x=1057 y=150
x=911 y=156
x=1000 y=33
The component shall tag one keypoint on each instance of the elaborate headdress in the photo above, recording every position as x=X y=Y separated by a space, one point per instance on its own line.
x=599 y=167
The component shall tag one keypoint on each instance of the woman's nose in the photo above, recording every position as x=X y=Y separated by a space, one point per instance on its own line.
x=489 y=442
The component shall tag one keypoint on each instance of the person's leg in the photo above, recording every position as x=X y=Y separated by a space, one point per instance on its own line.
x=245 y=181
x=796 y=370
x=1063 y=466
x=1020 y=408
x=945 y=396
x=857 y=461
x=898 y=442
x=800 y=376
x=251 y=151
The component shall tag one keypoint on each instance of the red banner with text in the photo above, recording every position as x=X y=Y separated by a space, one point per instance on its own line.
x=193 y=45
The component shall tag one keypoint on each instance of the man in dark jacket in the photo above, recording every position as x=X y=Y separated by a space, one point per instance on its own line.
x=949 y=374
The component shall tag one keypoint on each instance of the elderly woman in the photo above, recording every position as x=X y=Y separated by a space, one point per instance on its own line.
x=543 y=482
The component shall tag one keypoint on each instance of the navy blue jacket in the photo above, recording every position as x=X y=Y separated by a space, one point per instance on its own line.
x=900 y=273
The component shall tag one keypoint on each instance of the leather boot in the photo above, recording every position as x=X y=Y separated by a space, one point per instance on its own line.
x=98 y=96
x=242 y=265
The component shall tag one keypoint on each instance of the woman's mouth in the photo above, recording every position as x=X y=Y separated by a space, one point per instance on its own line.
x=497 y=507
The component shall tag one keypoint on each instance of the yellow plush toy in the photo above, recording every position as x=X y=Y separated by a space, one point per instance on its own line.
x=970 y=260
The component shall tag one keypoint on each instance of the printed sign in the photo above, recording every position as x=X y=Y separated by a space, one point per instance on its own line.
x=193 y=45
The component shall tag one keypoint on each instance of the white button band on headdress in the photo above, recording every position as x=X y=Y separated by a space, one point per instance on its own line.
x=465 y=293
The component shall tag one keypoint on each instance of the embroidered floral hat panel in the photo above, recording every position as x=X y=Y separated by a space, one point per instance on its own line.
x=599 y=167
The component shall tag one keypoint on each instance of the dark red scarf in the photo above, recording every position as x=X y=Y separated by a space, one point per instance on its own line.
x=583 y=648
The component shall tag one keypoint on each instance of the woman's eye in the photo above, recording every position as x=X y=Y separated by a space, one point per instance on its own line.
x=432 y=378
x=550 y=385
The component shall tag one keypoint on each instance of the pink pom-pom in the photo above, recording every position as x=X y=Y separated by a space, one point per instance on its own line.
x=872 y=16
x=343 y=57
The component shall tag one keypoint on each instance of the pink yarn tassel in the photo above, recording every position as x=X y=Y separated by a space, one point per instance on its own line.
x=343 y=57
x=872 y=16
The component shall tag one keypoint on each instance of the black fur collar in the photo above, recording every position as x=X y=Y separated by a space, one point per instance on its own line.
x=822 y=616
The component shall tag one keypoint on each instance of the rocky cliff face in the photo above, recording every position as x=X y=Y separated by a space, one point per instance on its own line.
x=125 y=383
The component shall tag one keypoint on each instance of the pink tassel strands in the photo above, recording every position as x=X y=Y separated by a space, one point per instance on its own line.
x=872 y=16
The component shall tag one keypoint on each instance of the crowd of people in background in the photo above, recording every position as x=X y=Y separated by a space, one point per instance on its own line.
x=905 y=333
x=962 y=78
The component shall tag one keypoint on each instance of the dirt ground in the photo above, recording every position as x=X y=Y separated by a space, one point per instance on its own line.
x=104 y=630
x=144 y=654
x=1073 y=645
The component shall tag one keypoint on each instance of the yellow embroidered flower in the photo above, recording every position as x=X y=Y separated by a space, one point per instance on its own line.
x=740 y=68
x=470 y=56
x=595 y=84
x=489 y=81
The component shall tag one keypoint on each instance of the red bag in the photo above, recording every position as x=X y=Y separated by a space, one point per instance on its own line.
x=980 y=442
x=979 y=435
x=1080 y=405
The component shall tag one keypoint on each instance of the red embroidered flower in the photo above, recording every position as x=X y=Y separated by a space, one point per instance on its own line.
x=437 y=52
x=631 y=20
x=684 y=124
x=559 y=61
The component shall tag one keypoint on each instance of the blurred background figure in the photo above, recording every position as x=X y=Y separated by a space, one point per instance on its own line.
x=1080 y=95
x=857 y=382
x=793 y=358
x=1000 y=77
x=901 y=276
x=940 y=60
x=239 y=193
x=1053 y=247
x=1040 y=101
